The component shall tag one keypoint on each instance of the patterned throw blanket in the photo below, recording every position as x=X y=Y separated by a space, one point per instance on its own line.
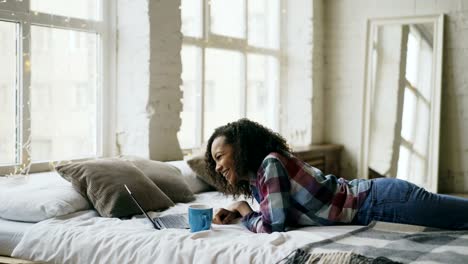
x=381 y=242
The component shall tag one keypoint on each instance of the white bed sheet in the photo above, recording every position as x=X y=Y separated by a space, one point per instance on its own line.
x=11 y=233
x=84 y=237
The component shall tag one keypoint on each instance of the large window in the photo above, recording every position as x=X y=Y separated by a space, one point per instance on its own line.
x=231 y=61
x=51 y=81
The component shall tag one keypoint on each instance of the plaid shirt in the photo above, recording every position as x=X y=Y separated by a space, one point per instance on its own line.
x=293 y=193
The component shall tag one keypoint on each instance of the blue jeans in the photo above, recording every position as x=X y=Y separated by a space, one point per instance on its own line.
x=398 y=201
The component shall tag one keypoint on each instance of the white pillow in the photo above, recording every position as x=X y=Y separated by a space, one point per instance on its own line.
x=196 y=184
x=37 y=197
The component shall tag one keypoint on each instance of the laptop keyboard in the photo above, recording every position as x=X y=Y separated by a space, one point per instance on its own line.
x=172 y=221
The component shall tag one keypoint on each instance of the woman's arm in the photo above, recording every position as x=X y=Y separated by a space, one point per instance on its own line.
x=275 y=189
x=242 y=207
x=233 y=211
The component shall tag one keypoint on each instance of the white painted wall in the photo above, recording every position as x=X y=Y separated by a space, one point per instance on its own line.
x=345 y=31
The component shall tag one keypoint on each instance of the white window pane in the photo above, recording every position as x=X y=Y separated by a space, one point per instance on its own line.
x=409 y=111
x=412 y=59
x=403 y=163
x=262 y=84
x=263 y=20
x=224 y=83
x=422 y=127
x=417 y=173
x=228 y=18
x=425 y=70
x=192 y=24
x=8 y=88
x=63 y=94
x=86 y=9
x=191 y=101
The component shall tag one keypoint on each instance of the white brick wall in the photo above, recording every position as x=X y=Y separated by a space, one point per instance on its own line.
x=302 y=90
x=148 y=74
x=132 y=77
x=165 y=81
x=345 y=29
x=297 y=98
x=318 y=121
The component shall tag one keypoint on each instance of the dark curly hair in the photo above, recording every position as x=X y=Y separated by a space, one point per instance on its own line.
x=251 y=143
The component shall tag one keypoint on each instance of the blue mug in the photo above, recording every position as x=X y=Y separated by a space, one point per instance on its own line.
x=200 y=217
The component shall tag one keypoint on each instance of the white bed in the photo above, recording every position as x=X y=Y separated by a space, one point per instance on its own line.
x=11 y=233
x=49 y=221
x=63 y=229
x=83 y=237
x=69 y=232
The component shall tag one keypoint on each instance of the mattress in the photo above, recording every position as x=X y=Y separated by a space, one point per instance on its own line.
x=11 y=233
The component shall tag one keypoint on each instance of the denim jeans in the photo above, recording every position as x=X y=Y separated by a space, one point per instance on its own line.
x=398 y=201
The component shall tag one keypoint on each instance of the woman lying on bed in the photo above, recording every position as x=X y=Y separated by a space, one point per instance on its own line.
x=246 y=158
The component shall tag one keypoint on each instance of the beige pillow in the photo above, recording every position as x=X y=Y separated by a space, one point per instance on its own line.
x=194 y=182
x=102 y=182
x=198 y=165
x=166 y=177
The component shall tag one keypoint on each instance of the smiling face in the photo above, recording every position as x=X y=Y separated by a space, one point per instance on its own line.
x=223 y=155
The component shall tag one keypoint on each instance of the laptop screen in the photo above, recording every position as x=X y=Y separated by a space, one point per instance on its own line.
x=139 y=206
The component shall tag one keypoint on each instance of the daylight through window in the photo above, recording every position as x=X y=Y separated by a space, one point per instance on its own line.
x=230 y=65
x=51 y=81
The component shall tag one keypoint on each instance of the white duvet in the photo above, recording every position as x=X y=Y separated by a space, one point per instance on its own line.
x=84 y=237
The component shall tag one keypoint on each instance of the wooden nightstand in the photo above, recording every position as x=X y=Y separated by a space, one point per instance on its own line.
x=325 y=157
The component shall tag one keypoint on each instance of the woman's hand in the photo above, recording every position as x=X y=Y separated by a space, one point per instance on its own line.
x=226 y=216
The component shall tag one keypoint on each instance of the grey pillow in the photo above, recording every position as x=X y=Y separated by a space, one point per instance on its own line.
x=196 y=184
x=167 y=177
x=198 y=165
x=102 y=182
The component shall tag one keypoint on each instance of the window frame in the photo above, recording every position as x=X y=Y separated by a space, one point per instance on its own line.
x=209 y=40
x=104 y=27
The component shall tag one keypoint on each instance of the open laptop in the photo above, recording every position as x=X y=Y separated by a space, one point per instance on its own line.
x=168 y=221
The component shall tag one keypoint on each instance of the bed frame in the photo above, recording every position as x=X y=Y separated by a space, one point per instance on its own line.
x=9 y=260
